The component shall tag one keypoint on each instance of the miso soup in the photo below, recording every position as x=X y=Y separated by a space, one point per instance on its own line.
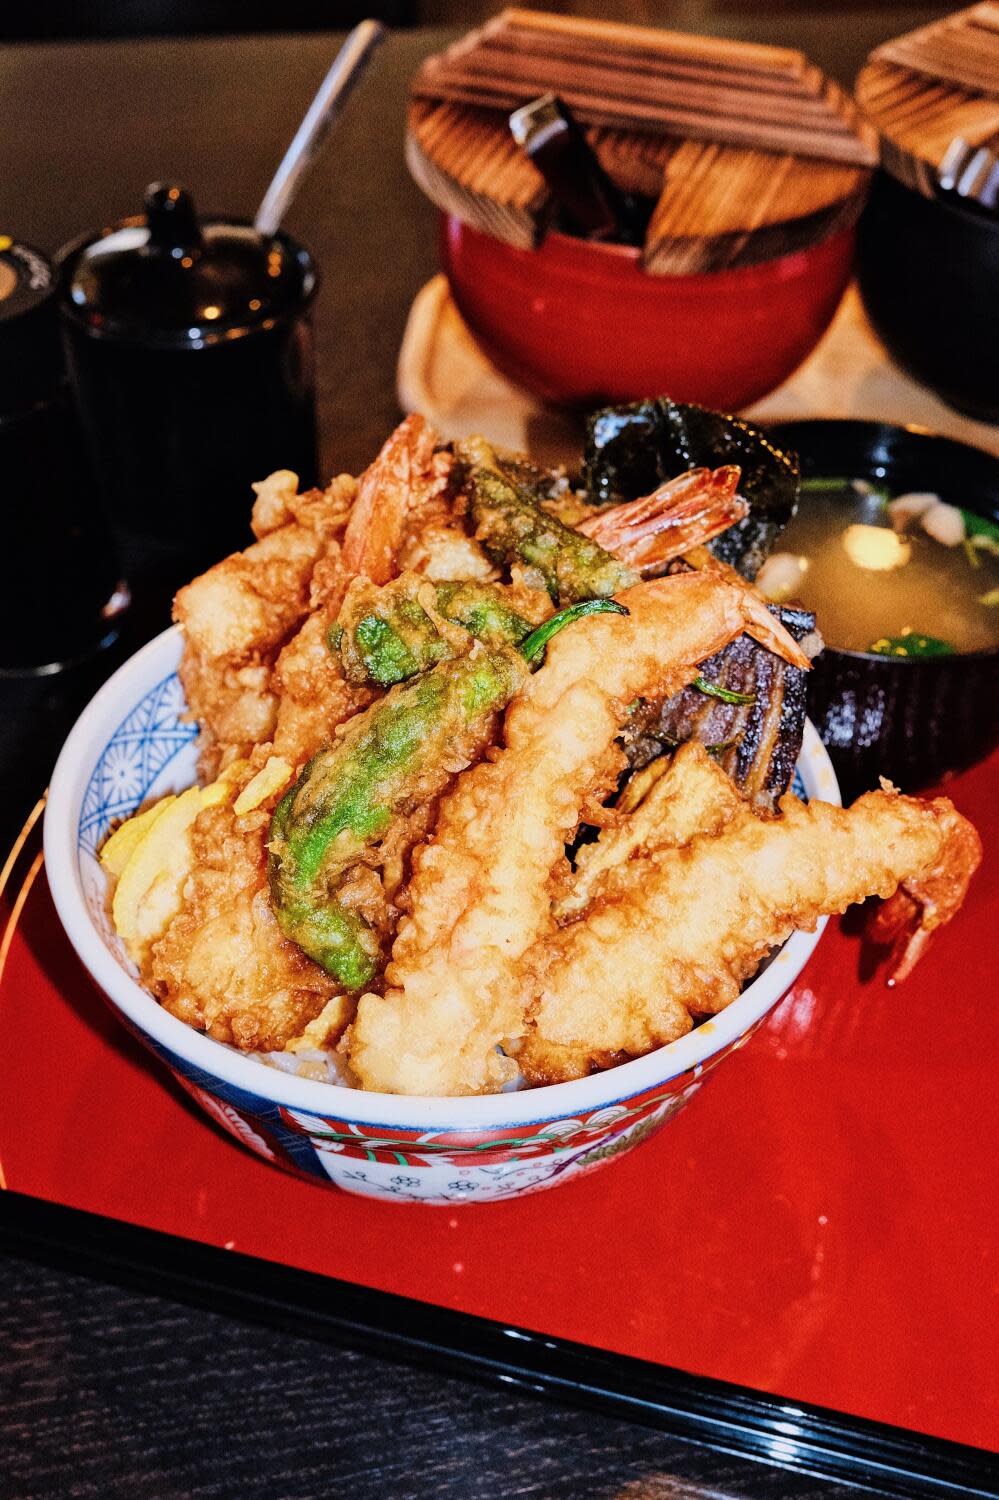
x=888 y=585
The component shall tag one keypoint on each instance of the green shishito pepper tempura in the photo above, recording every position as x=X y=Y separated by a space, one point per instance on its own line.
x=400 y=752
x=388 y=635
x=512 y=528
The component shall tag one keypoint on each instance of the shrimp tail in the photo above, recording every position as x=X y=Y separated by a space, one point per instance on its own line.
x=406 y=471
x=768 y=630
x=908 y=919
x=684 y=512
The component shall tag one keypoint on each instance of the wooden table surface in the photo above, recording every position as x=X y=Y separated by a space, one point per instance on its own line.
x=105 y=1392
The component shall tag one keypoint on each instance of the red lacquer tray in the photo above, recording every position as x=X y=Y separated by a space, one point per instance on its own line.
x=818 y=1226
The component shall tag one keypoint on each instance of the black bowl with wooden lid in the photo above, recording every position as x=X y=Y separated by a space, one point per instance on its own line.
x=928 y=252
x=928 y=272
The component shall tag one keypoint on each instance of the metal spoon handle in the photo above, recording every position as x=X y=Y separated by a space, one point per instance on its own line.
x=346 y=69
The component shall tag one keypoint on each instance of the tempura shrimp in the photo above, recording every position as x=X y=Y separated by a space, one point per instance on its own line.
x=687 y=929
x=481 y=889
x=684 y=512
x=597 y=554
x=409 y=475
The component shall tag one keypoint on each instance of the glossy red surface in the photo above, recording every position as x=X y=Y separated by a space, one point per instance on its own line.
x=820 y=1222
x=576 y=322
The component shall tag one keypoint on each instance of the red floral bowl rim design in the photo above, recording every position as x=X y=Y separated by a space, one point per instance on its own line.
x=95 y=726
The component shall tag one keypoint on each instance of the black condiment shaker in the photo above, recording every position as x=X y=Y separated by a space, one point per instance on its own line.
x=61 y=592
x=190 y=351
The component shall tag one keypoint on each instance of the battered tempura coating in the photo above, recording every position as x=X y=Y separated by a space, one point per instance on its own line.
x=223 y=965
x=503 y=957
x=256 y=668
x=682 y=935
x=312 y=695
x=668 y=804
x=401 y=495
x=481 y=890
x=385 y=765
x=236 y=617
x=682 y=797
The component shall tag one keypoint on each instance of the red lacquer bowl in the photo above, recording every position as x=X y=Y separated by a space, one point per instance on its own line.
x=578 y=323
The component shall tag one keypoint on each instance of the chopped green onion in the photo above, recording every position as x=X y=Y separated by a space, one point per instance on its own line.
x=719 y=750
x=538 y=639
x=727 y=695
x=976 y=525
x=828 y=484
x=819 y=484
x=911 y=643
x=991 y=598
x=971 y=553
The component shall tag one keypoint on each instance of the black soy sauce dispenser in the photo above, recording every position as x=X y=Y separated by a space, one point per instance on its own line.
x=61 y=593
x=190 y=351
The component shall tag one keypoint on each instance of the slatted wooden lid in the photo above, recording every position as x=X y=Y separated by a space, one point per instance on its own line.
x=927 y=87
x=749 y=150
x=662 y=82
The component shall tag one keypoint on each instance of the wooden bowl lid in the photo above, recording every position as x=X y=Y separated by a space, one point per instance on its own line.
x=749 y=151
x=926 y=88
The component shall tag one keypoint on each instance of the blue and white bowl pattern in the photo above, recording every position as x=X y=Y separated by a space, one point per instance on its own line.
x=134 y=744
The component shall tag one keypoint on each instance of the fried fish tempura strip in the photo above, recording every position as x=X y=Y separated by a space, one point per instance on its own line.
x=223 y=964
x=684 y=797
x=237 y=616
x=689 y=795
x=684 y=937
x=481 y=889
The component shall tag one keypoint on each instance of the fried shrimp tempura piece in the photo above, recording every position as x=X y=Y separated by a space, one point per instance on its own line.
x=481 y=890
x=400 y=497
x=925 y=901
x=675 y=800
x=683 y=936
x=223 y=965
x=403 y=489
x=686 y=511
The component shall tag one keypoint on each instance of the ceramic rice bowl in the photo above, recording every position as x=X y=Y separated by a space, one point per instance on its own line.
x=133 y=744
